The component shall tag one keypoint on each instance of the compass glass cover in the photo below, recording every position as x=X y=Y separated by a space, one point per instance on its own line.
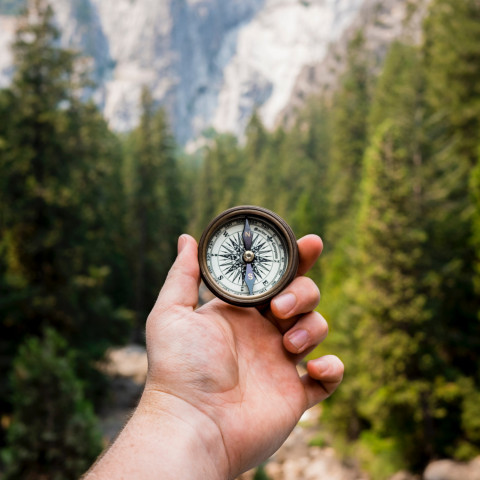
x=225 y=256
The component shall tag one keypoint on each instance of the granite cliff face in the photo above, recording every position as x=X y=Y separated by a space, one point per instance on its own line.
x=380 y=24
x=209 y=62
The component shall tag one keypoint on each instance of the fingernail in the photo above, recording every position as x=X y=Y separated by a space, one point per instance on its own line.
x=182 y=241
x=322 y=365
x=298 y=339
x=285 y=303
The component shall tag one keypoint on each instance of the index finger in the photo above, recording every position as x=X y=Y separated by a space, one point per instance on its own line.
x=309 y=249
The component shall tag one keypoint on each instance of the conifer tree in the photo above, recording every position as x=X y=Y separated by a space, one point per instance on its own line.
x=402 y=379
x=57 y=178
x=256 y=140
x=475 y=187
x=156 y=206
x=452 y=65
x=256 y=162
x=452 y=59
x=394 y=318
x=391 y=196
x=349 y=130
x=407 y=382
x=220 y=180
x=53 y=434
x=307 y=161
x=263 y=170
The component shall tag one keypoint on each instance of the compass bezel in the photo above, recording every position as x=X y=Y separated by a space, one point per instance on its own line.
x=268 y=217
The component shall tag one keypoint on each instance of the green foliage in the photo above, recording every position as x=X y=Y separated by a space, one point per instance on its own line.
x=219 y=180
x=351 y=105
x=261 y=474
x=59 y=187
x=387 y=170
x=348 y=131
x=380 y=456
x=155 y=206
x=393 y=318
x=452 y=56
x=452 y=71
x=283 y=171
x=61 y=226
x=404 y=311
x=384 y=172
x=475 y=188
x=410 y=378
x=53 y=434
x=319 y=440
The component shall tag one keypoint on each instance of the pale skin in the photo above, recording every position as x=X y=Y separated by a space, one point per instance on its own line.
x=222 y=390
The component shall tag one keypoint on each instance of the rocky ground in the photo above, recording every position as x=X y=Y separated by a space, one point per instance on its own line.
x=297 y=459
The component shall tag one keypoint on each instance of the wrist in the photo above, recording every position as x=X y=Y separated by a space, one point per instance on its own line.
x=200 y=435
x=166 y=438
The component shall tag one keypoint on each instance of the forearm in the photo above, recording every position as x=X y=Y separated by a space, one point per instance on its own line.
x=166 y=438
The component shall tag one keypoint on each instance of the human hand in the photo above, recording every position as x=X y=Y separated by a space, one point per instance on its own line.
x=236 y=365
x=224 y=378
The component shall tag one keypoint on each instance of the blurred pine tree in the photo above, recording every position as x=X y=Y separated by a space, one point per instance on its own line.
x=59 y=178
x=349 y=129
x=53 y=435
x=452 y=66
x=220 y=180
x=156 y=207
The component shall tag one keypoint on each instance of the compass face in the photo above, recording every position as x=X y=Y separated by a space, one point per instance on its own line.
x=247 y=255
x=227 y=266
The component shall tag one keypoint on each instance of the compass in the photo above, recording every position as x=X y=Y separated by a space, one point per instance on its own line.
x=247 y=255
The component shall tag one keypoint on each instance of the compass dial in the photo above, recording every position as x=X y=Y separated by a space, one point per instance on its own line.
x=247 y=255
x=226 y=263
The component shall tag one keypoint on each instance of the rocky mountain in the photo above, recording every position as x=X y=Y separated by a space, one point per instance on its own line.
x=209 y=62
x=380 y=24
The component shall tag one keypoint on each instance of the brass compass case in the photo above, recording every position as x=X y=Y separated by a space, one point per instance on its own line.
x=247 y=255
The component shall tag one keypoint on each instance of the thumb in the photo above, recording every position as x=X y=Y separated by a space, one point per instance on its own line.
x=181 y=286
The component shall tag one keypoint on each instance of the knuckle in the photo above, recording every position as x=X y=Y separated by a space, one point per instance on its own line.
x=317 y=294
x=318 y=326
x=336 y=366
x=306 y=289
x=312 y=287
x=322 y=323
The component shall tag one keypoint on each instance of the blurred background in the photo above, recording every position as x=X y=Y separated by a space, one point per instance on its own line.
x=125 y=123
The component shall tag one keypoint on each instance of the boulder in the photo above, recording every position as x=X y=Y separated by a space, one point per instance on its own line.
x=452 y=470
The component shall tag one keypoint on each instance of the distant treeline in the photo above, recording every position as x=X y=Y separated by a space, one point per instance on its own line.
x=386 y=171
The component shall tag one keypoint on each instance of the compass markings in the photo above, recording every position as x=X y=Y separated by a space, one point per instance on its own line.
x=230 y=267
x=230 y=253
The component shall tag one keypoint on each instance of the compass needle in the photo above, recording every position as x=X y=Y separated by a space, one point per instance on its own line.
x=249 y=278
x=247 y=235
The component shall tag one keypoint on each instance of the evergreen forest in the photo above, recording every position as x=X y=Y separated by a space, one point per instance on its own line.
x=386 y=169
